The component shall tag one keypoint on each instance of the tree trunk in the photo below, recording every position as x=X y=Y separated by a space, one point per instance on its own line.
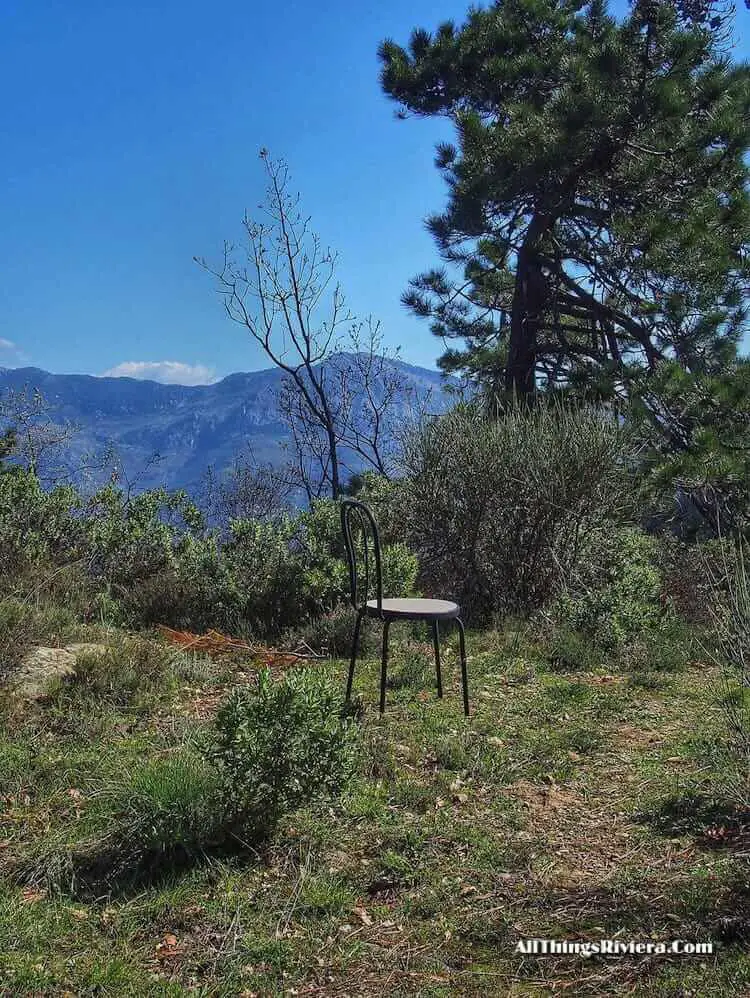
x=529 y=299
x=526 y=319
x=334 y=458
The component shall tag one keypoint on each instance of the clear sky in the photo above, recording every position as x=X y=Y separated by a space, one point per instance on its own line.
x=131 y=133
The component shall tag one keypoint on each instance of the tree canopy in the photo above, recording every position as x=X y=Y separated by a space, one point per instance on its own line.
x=598 y=215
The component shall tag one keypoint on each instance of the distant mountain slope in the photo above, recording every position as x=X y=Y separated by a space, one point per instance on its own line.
x=189 y=427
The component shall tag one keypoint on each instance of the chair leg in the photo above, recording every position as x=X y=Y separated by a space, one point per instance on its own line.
x=464 y=676
x=355 y=645
x=436 y=643
x=384 y=665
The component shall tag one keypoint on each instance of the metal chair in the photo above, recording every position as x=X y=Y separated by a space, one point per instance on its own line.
x=389 y=610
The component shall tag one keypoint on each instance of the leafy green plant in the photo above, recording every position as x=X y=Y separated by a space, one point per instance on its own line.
x=281 y=744
x=616 y=593
x=130 y=538
x=147 y=559
x=36 y=526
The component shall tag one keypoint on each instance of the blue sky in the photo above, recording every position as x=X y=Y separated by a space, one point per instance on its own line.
x=131 y=136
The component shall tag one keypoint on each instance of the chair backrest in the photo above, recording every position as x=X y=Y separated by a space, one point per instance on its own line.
x=355 y=514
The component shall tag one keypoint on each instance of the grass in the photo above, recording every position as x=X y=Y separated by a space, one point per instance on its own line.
x=573 y=804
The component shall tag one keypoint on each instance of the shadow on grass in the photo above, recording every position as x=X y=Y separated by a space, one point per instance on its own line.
x=715 y=823
x=111 y=873
x=694 y=909
x=641 y=907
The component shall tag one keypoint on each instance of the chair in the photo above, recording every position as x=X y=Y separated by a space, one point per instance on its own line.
x=354 y=512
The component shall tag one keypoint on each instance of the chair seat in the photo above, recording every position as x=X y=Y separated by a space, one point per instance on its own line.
x=415 y=609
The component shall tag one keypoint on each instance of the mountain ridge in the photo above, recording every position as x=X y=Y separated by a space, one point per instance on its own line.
x=191 y=427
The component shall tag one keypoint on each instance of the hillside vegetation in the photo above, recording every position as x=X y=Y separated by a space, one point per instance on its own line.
x=177 y=822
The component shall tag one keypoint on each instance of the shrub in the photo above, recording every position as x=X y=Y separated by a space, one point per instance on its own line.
x=147 y=559
x=692 y=437
x=274 y=747
x=130 y=539
x=192 y=590
x=281 y=744
x=36 y=526
x=686 y=571
x=387 y=498
x=615 y=594
x=497 y=508
x=332 y=633
x=320 y=545
x=264 y=578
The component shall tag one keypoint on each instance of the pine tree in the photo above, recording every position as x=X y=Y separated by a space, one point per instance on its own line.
x=598 y=214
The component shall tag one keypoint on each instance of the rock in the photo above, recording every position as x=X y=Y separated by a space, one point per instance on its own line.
x=42 y=666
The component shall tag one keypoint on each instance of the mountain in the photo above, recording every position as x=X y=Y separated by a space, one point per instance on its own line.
x=189 y=427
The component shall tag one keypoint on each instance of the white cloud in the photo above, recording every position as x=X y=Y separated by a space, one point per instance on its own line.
x=11 y=353
x=168 y=372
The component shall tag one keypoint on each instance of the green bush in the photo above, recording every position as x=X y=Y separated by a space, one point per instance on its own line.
x=191 y=591
x=275 y=747
x=281 y=744
x=615 y=595
x=388 y=499
x=265 y=577
x=264 y=574
x=148 y=559
x=332 y=633
x=36 y=526
x=496 y=509
x=686 y=571
x=130 y=539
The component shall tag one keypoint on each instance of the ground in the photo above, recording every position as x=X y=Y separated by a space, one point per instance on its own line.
x=571 y=805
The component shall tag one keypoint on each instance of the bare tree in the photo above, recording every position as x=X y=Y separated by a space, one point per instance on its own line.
x=369 y=395
x=283 y=291
x=40 y=439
